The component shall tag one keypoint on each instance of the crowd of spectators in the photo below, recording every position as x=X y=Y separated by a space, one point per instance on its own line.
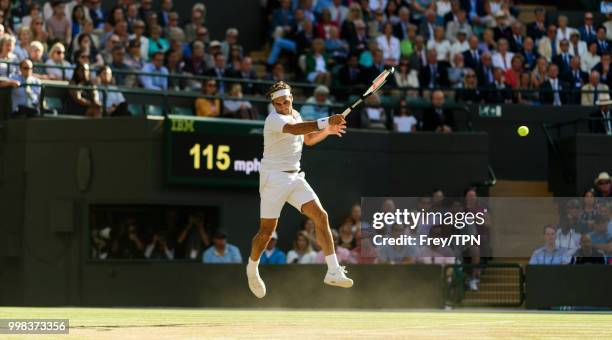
x=584 y=232
x=477 y=51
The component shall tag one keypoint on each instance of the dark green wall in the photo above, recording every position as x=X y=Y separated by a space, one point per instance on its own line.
x=54 y=169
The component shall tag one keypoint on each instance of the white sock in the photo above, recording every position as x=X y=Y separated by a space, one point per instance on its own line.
x=332 y=262
x=252 y=266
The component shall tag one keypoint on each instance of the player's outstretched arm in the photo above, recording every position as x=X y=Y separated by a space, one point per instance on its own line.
x=332 y=129
x=305 y=128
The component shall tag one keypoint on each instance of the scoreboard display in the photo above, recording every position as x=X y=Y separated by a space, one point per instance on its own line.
x=213 y=151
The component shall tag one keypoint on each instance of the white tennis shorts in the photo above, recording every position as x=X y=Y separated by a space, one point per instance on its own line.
x=278 y=187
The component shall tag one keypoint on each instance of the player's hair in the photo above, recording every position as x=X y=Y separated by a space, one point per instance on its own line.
x=279 y=85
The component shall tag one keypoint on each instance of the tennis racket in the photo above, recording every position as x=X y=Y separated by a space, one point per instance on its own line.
x=376 y=85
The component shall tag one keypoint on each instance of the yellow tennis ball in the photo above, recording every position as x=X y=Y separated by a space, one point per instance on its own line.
x=523 y=131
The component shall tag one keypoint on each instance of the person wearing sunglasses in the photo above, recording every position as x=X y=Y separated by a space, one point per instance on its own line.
x=25 y=94
x=58 y=68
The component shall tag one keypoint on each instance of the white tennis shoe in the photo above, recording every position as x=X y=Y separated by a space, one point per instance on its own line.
x=337 y=277
x=256 y=284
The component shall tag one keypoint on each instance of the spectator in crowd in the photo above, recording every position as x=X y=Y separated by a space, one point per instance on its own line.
x=528 y=94
x=302 y=252
x=84 y=99
x=346 y=235
x=390 y=45
x=576 y=79
x=236 y=107
x=194 y=238
x=601 y=120
x=358 y=42
x=247 y=73
x=231 y=40
x=128 y=243
x=400 y=29
x=603 y=44
x=277 y=73
x=159 y=247
x=460 y=44
x=25 y=94
x=440 y=45
x=58 y=25
x=460 y=25
x=516 y=39
x=34 y=12
x=434 y=74
x=112 y=99
x=404 y=121
x=219 y=70
x=7 y=46
x=457 y=71
x=549 y=254
x=176 y=66
x=118 y=65
x=472 y=55
x=397 y=254
x=484 y=70
x=221 y=251
x=588 y=208
x=56 y=58
x=156 y=66
x=351 y=73
x=138 y=31
x=317 y=106
x=577 y=47
x=602 y=185
x=309 y=228
x=548 y=46
x=512 y=75
x=592 y=90
x=373 y=113
x=208 y=107
x=407 y=79
x=437 y=118
x=428 y=26
x=587 y=31
x=38 y=31
x=604 y=68
x=85 y=45
x=163 y=16
x=590 y=58
x=600 y=237
x=418 y=58
x=572 y=217
x=196 y=21
x=273 y=255
x=365 y=252
x=488 y=42
x=537 y=29
x=343 y=254
x=567 y=237
x=529 y=54
x=134 y=58
x=195 y=64
x=553 y=91
x=563 y=31
x=563 y=59
x=498 y=92
x=502 y=58
x=157 y=43
x=540 y=73
x=335 y=47
x=586 y=254
x=24 y=38
x=317 y=64
x=35 y=53
x=469 y=91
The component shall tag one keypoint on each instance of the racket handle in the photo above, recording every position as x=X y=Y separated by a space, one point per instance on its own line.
x=352 y=107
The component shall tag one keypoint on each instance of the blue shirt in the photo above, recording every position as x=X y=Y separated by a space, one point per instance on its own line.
x=277 y=257
x=599 y=238
x=545 y=256
x=153 y=82
x=25 y=95
x=231 y=255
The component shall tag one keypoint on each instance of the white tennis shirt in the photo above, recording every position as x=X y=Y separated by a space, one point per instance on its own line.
x=282 y=151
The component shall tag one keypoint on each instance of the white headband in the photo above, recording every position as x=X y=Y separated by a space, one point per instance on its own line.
x=280 y=93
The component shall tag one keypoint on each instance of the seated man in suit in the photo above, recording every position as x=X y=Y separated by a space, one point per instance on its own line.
x=575 y=78
x=601 y=120
x=435 y=73
x=553 y=90
x=592 y=90
x=437 y=118
x=498 y=92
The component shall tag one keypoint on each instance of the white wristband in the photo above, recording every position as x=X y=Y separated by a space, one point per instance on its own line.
x=322 y=123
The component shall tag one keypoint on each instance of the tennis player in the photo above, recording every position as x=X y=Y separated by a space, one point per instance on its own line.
x=281 y=181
